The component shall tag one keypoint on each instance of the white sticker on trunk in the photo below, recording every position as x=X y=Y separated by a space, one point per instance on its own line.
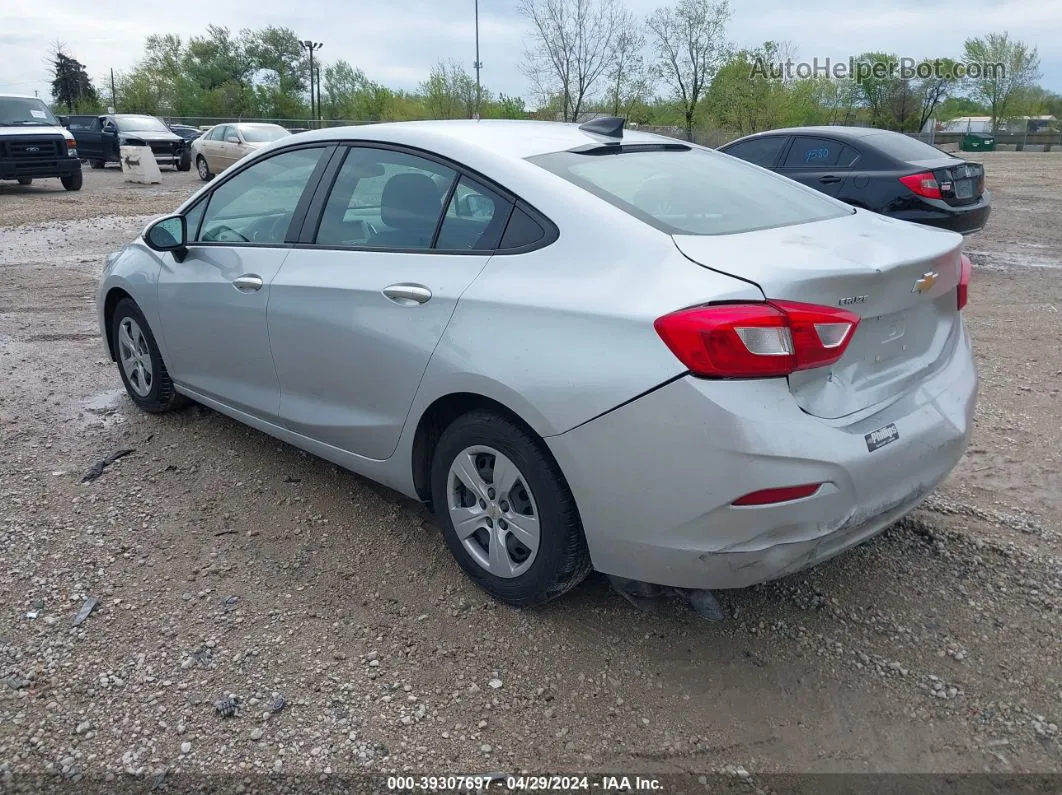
x=38 y=114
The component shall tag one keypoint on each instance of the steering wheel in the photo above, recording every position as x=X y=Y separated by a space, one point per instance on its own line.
x=220 y=234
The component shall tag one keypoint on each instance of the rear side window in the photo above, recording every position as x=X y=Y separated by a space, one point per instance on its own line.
x=692 y=192
x=522 y=231
x=904 y=147
x=474 y=218
x=809 y=152
x=761 y=151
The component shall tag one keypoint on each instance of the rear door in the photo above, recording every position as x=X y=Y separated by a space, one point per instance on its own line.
x=358 y=308
x=820 y=163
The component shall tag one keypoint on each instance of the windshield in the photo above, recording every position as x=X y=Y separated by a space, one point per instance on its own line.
x=904 y=147
x=141 y=124
x=692 y=192
x=25 y=112
x=260 y=134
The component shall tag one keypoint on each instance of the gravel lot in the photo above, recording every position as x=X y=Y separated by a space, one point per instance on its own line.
x=228 y=563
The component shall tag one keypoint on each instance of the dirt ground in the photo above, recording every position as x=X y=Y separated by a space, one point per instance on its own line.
x=227 y=562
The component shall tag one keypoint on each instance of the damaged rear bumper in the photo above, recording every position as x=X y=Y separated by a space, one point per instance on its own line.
x=655 y=480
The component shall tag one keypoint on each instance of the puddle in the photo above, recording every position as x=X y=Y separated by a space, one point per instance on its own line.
x=105 y=408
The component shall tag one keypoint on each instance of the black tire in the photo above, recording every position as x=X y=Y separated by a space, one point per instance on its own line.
x=203 y=169
x=162 y=396
x=98 y=164
x=185 y=163
x=73 y=182
x=562 y=560
x=25 y=180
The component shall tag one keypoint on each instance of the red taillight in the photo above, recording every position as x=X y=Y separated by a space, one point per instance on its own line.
x=963 y=290
x=769 y=496
x=757 y=340
x=924 y=184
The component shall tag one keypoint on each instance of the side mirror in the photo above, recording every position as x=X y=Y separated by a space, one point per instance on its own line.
x=232 y=139
x=168 y=234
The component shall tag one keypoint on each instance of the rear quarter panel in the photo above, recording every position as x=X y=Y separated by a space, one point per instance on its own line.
x=565 y=333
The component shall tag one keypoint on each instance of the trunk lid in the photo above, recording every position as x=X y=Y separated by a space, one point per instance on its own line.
x=869 y=265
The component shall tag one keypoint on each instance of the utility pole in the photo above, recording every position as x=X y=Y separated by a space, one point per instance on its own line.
x=478 y=64
x=311 y=47
x=114 y=95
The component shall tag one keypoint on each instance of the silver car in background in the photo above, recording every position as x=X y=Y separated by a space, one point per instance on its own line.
x=221 y=146
x=584 y=347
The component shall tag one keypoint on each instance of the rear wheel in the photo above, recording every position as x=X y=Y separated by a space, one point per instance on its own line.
x=73 y=182
x=203 y=169
x=25 y=180
x=140 y=362
x=185 y=163
x=506 y=511
x=98 y=164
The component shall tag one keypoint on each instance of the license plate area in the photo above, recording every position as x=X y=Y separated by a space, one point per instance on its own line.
x=964 y=189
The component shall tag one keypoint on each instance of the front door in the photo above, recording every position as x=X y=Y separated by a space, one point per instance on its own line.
x=213 y=302
x=355 y=315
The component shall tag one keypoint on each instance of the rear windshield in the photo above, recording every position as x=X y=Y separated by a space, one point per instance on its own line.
x=141 y=124
x=25 y=112
x=263 y=134
x=692 y=192
x=904 y=147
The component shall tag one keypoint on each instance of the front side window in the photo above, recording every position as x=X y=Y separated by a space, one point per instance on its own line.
x=385 y=199
x=692 y=192
x=258 y=204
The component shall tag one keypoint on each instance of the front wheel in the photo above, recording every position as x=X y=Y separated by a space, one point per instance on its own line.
x=140 y=362
x=98 y=164
x=25 y=180
x=185 y=163
x=203 y=169
x=73 y=182
x=506 y=512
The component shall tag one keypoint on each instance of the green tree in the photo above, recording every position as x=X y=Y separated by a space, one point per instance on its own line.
x=1010 y=66
x=450 y=92
x=71 y=86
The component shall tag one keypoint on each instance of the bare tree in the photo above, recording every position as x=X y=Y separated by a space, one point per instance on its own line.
x=690 y=45
x=573 y=44
x=628 y=80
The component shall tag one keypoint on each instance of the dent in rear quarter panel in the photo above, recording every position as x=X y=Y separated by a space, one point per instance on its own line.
x=134 y=269
x=564 y=334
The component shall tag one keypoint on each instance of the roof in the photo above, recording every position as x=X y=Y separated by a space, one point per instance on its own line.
x=836 y=130
x=508 y=137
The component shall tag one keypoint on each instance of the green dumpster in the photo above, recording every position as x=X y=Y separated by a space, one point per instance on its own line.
x=978 y=142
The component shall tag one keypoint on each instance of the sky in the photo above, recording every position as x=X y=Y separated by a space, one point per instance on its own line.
x=396 y=42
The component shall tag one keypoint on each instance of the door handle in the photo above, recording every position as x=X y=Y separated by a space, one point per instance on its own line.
x=829 y=180
x=248 y=283
x=407 y=294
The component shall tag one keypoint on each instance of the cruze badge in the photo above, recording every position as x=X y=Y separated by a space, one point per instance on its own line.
x=925 y=283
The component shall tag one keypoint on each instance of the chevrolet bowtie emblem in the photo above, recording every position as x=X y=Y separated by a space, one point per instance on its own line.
x=925 y=283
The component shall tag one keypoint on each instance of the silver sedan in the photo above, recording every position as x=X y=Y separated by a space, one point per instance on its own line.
x=586 y=348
